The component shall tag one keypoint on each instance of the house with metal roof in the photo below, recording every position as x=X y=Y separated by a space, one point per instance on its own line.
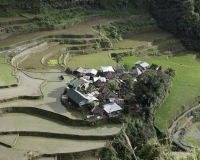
x=74 y=83
x=136 y=72
x=91 y=72
x=141 y=64
x=107 y=69
x=77 y=97
x=112 y=109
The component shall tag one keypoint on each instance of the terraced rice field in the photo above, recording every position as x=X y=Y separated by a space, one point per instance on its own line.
x=185 y=87
x=53 y=145
x=34 y=123
x=34 y=59
x=51 y=101
x=6 y=77
x=95 y=60
x=11 y=154
x=193 y=137
x=140 y=39
x=79 y=29
x=27 y=87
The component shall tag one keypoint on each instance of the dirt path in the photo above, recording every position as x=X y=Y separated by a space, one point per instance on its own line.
x=28 y=87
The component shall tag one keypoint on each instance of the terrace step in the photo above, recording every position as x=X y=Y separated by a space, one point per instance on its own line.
x=161 y=47
x=34 y=59
x=9 y=140
x=31 y=50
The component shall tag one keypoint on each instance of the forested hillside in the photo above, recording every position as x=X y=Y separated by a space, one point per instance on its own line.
x=180 y=17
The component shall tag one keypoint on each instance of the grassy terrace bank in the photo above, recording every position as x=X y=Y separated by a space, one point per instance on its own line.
x=6 y=77
x=185 y=86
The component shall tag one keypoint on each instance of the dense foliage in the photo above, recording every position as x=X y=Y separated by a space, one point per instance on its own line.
x=180 y=17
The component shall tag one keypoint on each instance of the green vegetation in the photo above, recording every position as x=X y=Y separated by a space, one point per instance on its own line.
x=192 y=137
x=6 y=78
x=155 y=104
x=117 y=30
x=185 y=86
x=52 y=62
x=95 y=60
x=139 y=39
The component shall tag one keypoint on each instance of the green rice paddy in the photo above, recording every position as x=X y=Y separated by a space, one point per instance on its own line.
x=95 y=60
x=52 y=62
x=6 y=77
x=185 y=86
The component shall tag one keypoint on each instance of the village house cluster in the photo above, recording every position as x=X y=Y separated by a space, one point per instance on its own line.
x=90 y=86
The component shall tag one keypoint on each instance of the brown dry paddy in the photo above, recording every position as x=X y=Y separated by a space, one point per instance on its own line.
x=79 y=29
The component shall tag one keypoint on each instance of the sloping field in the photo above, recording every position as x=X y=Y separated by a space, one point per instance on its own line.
x=140 y=39
x=79 y=29
x=5 y=77
x=185 y=87
x=193 y=137
x=53 y=145
x=27 y=122
x=32 y=48
x=34 y=60
x=27 y=87
x=2 y=58
x=197 y=124
x=95 y=60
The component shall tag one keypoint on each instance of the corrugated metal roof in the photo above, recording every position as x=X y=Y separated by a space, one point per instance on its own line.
x=111 y=107
x=76 y=96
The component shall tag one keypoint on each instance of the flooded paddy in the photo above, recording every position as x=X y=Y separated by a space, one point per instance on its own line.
x=28 y=87
x=34 y=59
x=79 y=29
x=140 y=39
x=49 y=75
x=26 y=122
x=53 y=145
x=11 y=154
x=51 y=101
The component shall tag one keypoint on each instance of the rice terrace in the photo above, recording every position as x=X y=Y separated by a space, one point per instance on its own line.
x=96 y=80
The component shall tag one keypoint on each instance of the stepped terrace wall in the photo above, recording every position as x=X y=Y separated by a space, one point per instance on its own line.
x=58 y=117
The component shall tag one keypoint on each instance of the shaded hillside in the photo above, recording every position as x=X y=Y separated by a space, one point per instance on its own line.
x=180 y=17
